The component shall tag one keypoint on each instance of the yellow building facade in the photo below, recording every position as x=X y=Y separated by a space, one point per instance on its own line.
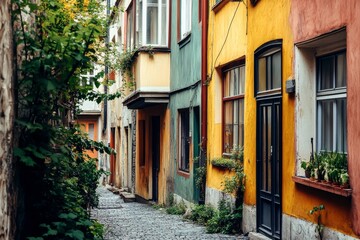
x=258 y=36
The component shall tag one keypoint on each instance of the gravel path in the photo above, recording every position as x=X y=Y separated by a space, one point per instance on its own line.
x=143 y=222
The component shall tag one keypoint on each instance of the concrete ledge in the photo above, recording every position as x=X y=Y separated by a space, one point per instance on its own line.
x=257 y=236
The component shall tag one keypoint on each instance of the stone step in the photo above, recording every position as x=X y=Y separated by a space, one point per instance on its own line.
x=127 y=197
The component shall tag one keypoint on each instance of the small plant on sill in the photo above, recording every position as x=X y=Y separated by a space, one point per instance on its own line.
x=320 y=227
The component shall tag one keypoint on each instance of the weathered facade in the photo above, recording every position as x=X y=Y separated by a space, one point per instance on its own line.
x=226 y=61
x=8 y=199
x=122 y=121
x=147 y=29
x=321 y=34
x=185 y=97
x=280 y=43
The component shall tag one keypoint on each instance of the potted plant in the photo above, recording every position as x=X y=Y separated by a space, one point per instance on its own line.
x=344 y=180
x=307 y=166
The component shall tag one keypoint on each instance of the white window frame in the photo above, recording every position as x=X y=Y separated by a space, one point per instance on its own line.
x=143 y=34
x=329 y=94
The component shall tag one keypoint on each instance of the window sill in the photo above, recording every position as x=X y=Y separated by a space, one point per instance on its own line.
x=183 y=173
x=150 y=49
x=185 y=40
x=322 y=186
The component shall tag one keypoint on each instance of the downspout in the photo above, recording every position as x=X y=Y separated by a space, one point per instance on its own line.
x=106 y=71
x=204 y=83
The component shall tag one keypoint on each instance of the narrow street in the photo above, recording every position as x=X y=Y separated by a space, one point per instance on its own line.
x=141 y=221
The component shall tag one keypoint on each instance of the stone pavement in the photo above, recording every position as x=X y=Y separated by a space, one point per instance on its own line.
x=138 y=221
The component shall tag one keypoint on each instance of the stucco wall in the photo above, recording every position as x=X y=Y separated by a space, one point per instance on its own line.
x=229 y=20
x=310 y=19
x=152 y=71
x=185 y=80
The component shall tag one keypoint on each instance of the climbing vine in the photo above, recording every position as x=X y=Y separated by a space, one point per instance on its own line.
x=56 y=42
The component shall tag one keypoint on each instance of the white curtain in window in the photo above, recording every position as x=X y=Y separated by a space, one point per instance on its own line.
x=185 y=18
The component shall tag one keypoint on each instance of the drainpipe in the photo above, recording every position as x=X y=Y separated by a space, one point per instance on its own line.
x=106 y=71
x=204 y=82
x=204 y=28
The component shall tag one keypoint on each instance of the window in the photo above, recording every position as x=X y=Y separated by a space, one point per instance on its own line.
x=152 y=22
x=130 y=28
x=184 y=140
x=331 y=102
x=184 y=17
x=88 y=78
x=269 y=70
x=320 y=73
x=233 y=108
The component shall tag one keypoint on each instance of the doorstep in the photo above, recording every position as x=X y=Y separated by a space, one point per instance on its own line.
x=257 y=236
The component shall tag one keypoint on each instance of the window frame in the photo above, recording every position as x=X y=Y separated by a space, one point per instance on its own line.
x=266 y=50
x=226 y=99
x=332 y=95
x=89 y=76
x=141 y=40
x=130 y=24
x=183 y=162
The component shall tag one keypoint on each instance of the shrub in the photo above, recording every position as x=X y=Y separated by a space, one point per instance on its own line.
x=202 y=214
x=177 y=209
x=225 y=220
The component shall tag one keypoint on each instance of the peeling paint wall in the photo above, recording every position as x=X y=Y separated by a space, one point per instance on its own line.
x=144 y=178
x=7 y=195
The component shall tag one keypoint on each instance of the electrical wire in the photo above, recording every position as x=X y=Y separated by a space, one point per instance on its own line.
x=226 y=37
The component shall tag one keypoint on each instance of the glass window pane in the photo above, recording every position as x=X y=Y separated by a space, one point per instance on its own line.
x=185 y=18
x=326 y=124
x=341 y=71
x=341 y=125
x=228 y=126
x=152 y=23
x=227 y=84
x=236 y=123
x=91 y=131
x=163 y=23
x=268 y=73
x=269 y=146
x=276 y=70
x=139 y=22
x=326 y=73
x=242 y=80
x=262 y=74
x=241 y=123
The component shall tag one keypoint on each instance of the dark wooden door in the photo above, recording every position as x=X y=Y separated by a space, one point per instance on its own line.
x=268 y=169
x=155 y=147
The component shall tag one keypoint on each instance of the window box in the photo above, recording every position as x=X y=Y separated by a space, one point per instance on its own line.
x=323 y=186
x=225 y=163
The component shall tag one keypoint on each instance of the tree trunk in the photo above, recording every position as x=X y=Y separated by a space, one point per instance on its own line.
x=8 y=197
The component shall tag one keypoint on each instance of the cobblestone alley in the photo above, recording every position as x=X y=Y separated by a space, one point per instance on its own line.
x=141 y=221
